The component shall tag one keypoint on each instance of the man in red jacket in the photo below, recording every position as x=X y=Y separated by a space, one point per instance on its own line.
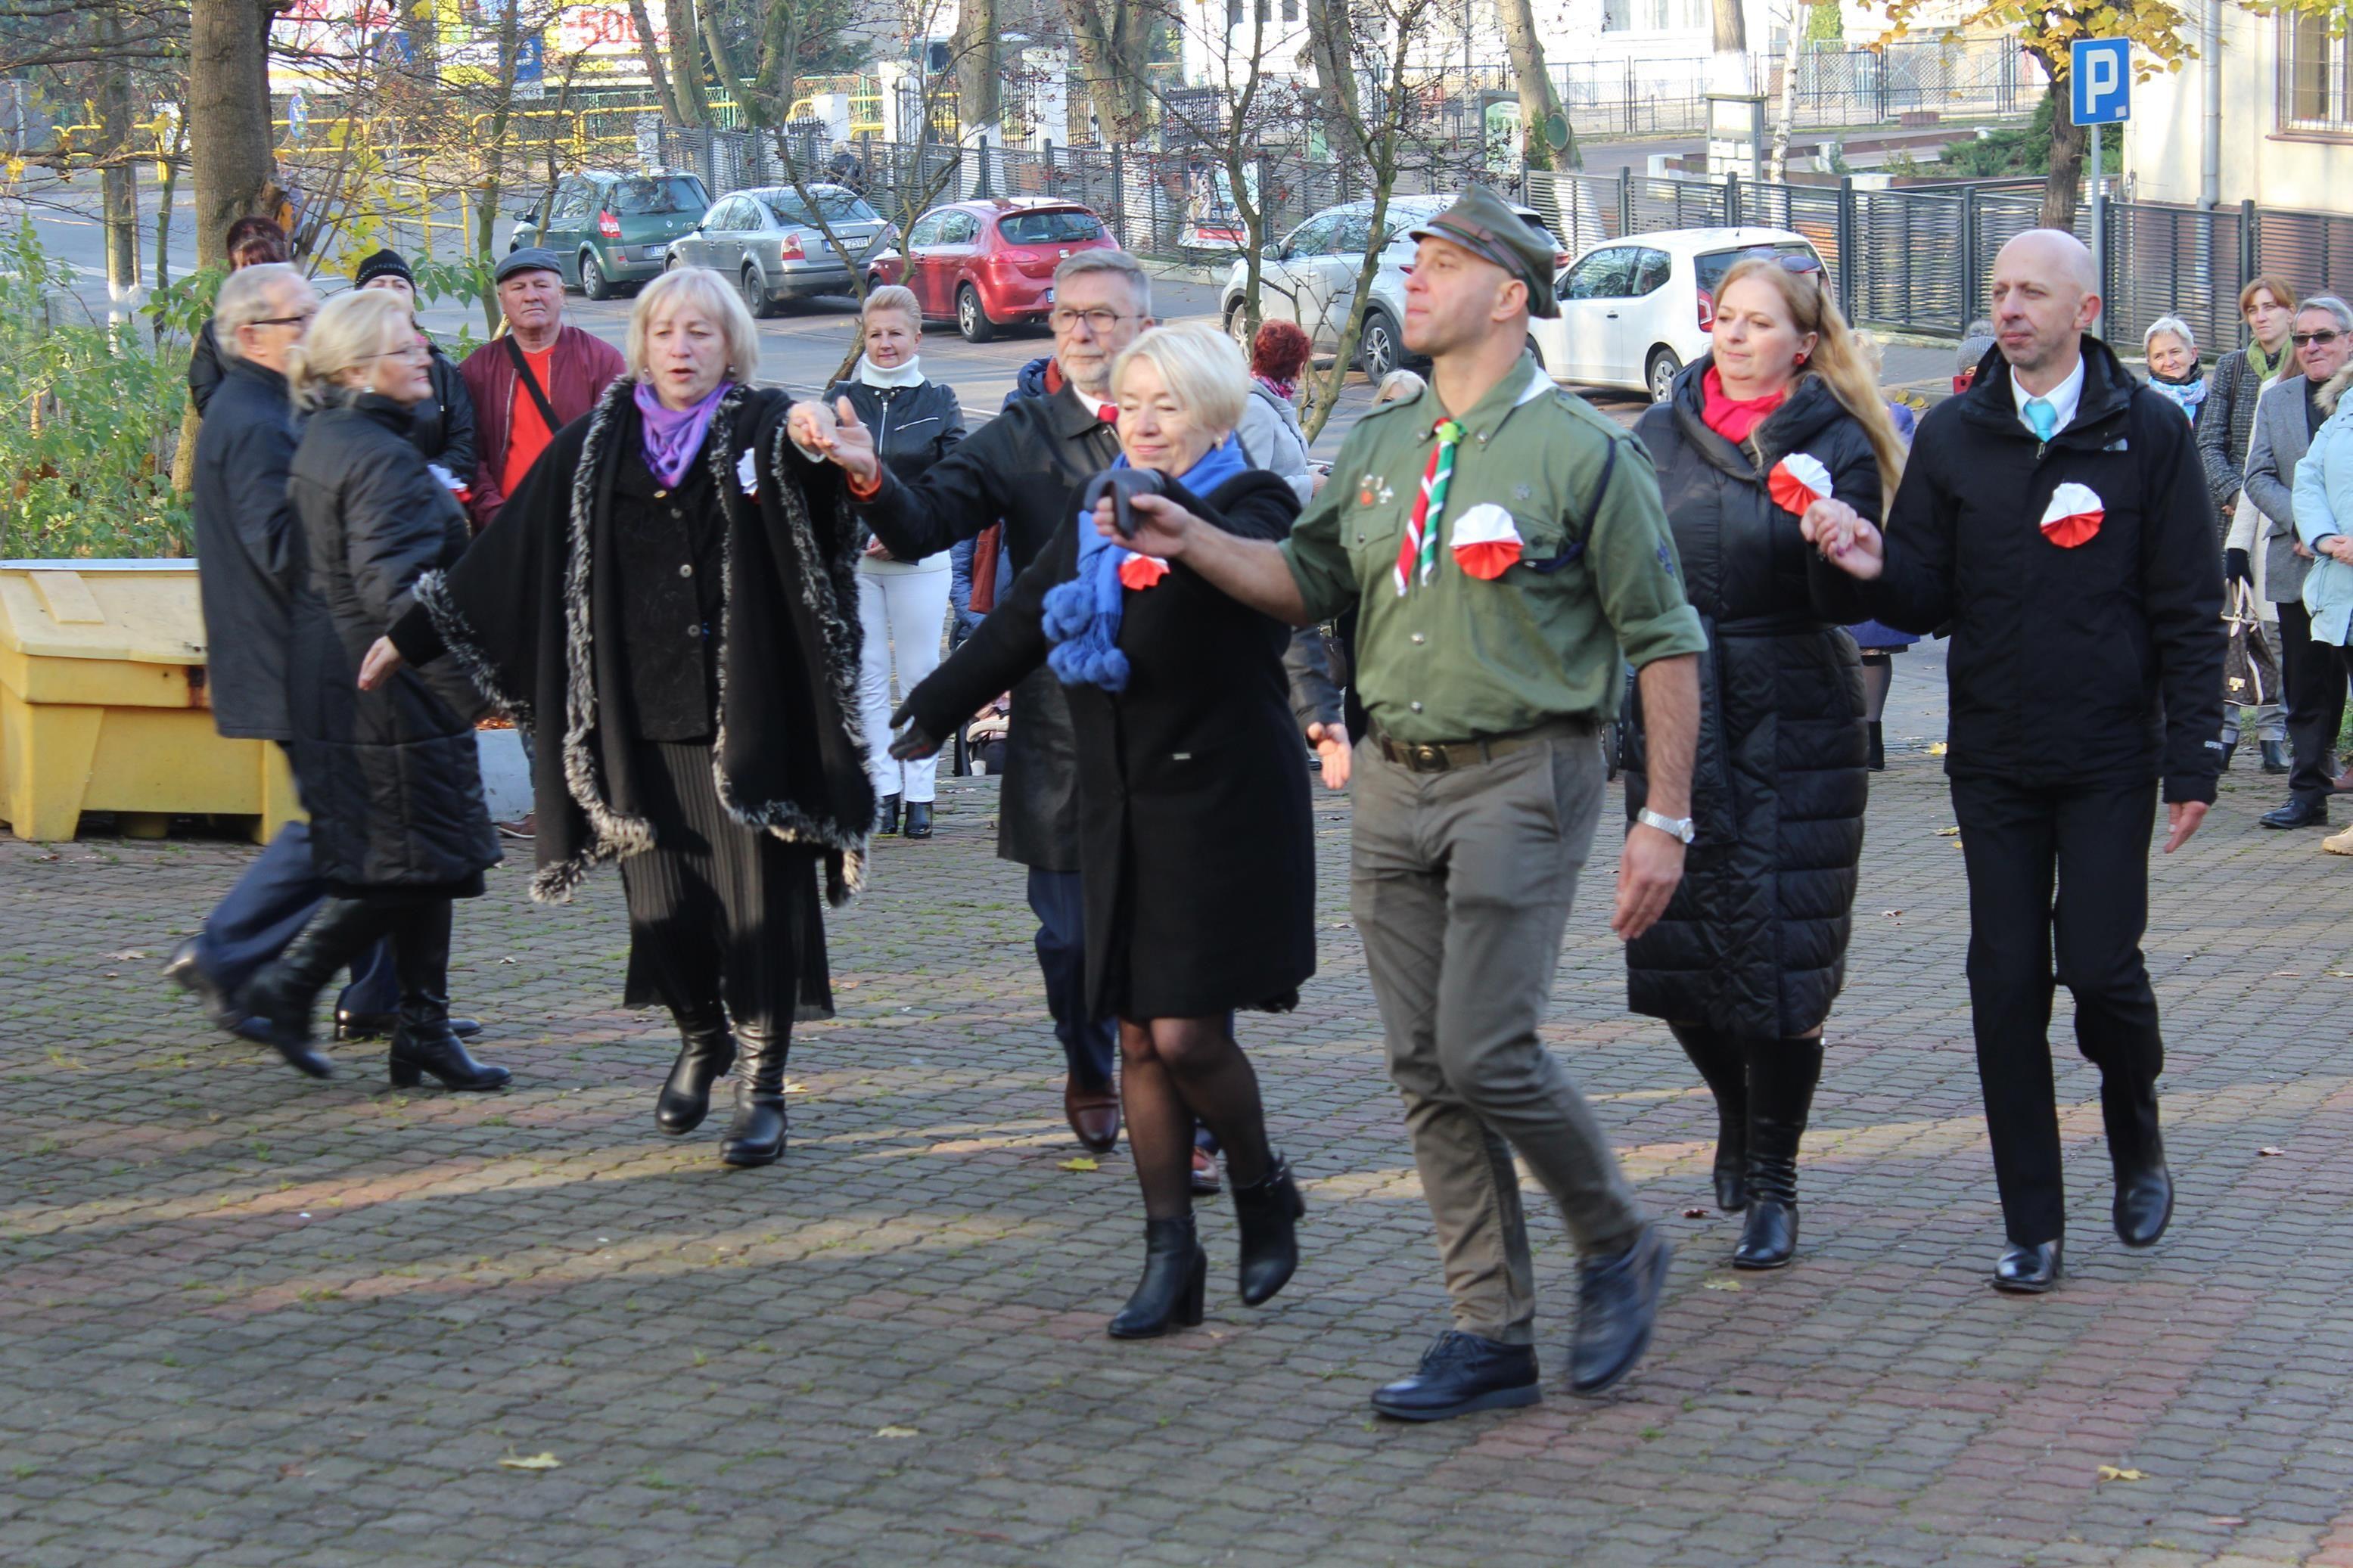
x=532 y=382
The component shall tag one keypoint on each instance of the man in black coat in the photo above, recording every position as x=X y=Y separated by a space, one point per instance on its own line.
x=442 y=427
x=2057 y=516
x=1021 y=467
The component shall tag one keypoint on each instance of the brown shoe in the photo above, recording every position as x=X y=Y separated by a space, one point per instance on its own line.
x=2343 y=784
x=1093 y=1114
x=525 y=826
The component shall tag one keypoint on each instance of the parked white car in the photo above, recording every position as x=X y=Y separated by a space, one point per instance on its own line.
x=1635 y=311
x=1310 y=275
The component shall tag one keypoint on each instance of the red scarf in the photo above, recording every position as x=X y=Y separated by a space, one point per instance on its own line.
x=1732 y=419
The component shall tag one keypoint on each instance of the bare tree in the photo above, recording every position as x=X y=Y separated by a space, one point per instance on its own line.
x=1113 y=40
x=1729 y=27
x=229 y=118
x=1540 y=105
x=642 y=21
x=685 y=63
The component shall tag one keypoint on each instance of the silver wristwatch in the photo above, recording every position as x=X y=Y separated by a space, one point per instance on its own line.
x=1678 y=827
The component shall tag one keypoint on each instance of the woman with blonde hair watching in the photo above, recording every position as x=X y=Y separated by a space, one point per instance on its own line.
x=1751 y=952
x=389 y=776
x=903 y=605
x=670 y=603
x=1195 y=847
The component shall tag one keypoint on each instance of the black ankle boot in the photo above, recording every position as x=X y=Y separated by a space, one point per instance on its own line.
x=1877 y=761
x=757 y=1135
x=706 y=1053
x=918 y=819
x=422 y=1041
x=2144 y=1200
x=1176 y=1273
x=1267 y=1211
x=1726 y=1071
x=886 y=814
x=283 y=995
x=1781 y=1079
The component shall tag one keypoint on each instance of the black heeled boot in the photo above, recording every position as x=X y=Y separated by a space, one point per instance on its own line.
x=1725 y=1068
x=757 y=1135
x=886 y=814
x=283 y=995
x=706 y=1054
x=1175 y=1274
x=1268 y=1212
x=422 y=1041
x=1781 y=1079
x=1877 y=761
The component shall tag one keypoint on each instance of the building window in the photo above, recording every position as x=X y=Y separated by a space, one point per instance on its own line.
x=1616 y=16
x=1291 y=10
x=1233 y=13
x=2312 y=76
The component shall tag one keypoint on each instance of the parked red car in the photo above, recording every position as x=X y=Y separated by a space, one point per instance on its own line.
x=990 y=264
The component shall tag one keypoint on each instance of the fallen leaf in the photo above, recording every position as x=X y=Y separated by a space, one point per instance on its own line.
x=1949 y=833
x=794 y=1086
x=2271 y=1149
x=1891 y=914
x=896 y=1432
x=508 y=960
x=292 y=1468
x=123 y=957
x=2110 y=1473
x=1694 y=1214
x=1081 y=1163
x=2226 y=1518
x=535 y=1462
x=1721 y=1284
x=1936 y=748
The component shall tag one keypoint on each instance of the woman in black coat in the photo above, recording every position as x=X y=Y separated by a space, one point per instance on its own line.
x=667 y=605
x=1194 y=840
x=1751 y=951
x=390 y=777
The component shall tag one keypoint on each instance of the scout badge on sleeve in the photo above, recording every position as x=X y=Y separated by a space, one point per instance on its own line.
x=1417 y=550
x=2073 y=516
x=1486 y=542
x=1798 y=482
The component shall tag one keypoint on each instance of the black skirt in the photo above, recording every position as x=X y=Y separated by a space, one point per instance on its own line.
x=719 y=912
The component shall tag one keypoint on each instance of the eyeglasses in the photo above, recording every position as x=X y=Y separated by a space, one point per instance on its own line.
x=413 y=351
x=1791 y=261
x=2323 y=339
x=1099 y=322
x=302 y=321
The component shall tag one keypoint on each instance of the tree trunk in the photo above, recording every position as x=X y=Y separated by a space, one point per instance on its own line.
x=651 y=52
x=166 y=194
x=979 y=65
x=2069 y=144
x=228 y=119
x=487 y=215
x=1538 y=103
x=722 y=62
x=1779 y=168
x=1329 y=53
x=119 y=179
x=780 y=48
x=1106 y=33
x=1729 y=71
x=685 y=63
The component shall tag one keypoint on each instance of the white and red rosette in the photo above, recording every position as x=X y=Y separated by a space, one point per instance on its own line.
x=1142 y=572
x=1796 y=482
x=2073 y=515
x=1485 y=542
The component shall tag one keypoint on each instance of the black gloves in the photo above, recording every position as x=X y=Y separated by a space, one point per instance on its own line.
x=913 y=742
x=2236 y=568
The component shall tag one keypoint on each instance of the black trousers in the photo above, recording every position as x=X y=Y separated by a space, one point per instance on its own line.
x=2094 y=842
x=2314 y=674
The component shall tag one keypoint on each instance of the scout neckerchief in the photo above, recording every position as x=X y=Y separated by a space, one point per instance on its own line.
x=1417 y=550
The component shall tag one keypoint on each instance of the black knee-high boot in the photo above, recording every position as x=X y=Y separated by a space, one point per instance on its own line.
x=1724 y=1068
x=422 y=1041
x=706 y=1053
x=1781 y=1079
x=285 y=993
x=758 y=1135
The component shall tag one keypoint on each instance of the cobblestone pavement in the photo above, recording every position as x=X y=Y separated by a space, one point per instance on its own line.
x=245 y=1318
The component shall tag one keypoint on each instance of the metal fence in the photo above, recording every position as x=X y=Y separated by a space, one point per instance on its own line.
x=1964 y=79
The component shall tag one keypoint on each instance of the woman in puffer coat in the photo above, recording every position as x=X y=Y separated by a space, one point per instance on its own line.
x=390 y=777
x=1752 y=950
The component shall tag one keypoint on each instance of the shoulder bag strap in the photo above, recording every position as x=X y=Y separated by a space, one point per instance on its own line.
x=531 y=384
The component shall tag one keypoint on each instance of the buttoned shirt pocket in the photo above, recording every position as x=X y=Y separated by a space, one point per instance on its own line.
x=1546 y=544
x=1370 y=527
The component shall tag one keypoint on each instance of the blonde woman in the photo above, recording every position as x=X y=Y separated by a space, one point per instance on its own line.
x=668 y=601
x=1751 y=951
x=389 y=776
x=903 y=605
x=1194 y=847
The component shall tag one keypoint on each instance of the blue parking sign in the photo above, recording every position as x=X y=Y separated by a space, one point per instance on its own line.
x=2099 y=80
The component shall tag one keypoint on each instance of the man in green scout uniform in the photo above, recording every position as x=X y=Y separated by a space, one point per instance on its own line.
x=1508 y=554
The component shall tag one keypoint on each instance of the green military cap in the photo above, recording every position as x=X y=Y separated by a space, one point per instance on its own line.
x=1483 y=224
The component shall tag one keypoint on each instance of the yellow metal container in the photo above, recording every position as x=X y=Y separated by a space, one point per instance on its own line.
x=102 y=704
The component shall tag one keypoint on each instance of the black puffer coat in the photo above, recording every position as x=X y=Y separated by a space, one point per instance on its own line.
x=390 y=776
x=1754 y=943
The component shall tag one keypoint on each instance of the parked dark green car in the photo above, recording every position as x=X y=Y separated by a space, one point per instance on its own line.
x=612 y=229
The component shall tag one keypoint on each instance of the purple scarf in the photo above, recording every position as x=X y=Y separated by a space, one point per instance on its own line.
x=673 y=436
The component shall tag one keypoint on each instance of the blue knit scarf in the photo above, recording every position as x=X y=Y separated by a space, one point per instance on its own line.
x=1082 y=616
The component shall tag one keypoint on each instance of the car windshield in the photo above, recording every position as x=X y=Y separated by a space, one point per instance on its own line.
x=834 y=206
x=1049 y=228
x=670 y=194
x=1712 y=266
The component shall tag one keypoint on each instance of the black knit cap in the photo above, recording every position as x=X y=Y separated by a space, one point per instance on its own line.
x=384 y=264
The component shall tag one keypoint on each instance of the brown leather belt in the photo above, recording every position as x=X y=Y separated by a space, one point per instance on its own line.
x=1440 y=756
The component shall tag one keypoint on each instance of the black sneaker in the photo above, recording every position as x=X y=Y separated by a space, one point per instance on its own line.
x=1617 y=1302
x=1459 y=1374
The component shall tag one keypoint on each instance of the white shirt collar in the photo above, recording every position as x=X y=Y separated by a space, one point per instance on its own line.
x=2062 y=398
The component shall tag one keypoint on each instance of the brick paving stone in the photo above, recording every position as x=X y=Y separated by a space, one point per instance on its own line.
x=249 y=1319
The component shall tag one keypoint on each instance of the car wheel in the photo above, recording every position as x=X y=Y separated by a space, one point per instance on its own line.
x=1377 y=351
x=593 y=282
x=1660 y=374
x=1238 y=325
x=972 y=320
x=755 y=294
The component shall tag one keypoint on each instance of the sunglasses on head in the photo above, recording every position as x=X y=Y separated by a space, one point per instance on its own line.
x=2323 y=338
x=1796 y=262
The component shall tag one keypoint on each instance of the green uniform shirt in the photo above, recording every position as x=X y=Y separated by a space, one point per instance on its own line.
x=1459 y=657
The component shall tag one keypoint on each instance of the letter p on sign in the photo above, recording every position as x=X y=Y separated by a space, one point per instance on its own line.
x=2099 y=80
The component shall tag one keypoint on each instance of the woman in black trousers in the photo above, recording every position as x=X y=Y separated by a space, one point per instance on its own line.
x=390 y=777
x=1751 y=951
x=1194 y=839
x=668 y=603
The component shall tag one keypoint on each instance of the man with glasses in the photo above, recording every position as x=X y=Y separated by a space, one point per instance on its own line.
x=2286 y=415
x=1020 y=467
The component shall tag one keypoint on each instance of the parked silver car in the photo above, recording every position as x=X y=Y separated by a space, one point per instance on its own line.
x=770 y=242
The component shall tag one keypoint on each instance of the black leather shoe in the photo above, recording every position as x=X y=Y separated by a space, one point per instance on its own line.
x=2144 y=1205
x=1176 y=1276
x=1617 y=1303
x=1268 y=1212
x=183 y=971
x=756 y=1137
x=2027 y=1271
x=1459 y=1373
x=918 y=819
x=706 y=1054
x=2275 y=756
x=886 y=814
x=351 y=1025
x=2297 y=814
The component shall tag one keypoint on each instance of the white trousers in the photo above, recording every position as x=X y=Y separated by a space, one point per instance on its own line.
x=905 y=616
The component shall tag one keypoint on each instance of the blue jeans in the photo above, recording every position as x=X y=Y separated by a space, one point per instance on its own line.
x=268 y=908
x=1090 y=1045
